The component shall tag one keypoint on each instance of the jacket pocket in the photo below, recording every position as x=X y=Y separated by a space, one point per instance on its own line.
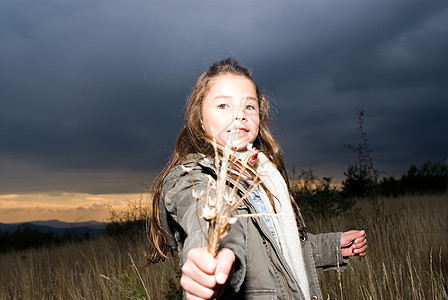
x=257 y=295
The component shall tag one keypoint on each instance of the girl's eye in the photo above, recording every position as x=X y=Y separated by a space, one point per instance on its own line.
x=222 y=106
x=250 y=107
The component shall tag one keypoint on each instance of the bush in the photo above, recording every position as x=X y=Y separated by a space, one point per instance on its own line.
x=319 y=198
x=130 y=223
x=429 y=179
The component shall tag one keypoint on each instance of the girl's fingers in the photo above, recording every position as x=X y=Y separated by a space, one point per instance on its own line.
x=361 y=243
x=193 y=270
x=195 y=283
x=225 y=259
x=354 y=242
x=193 y=273
x=361 y=238
x=202 y=275
x=194 y=290
x=189 y=296
x=349 y=237
x=361 y=251
x=198 y=278
x=348 y=251
x=202 y=259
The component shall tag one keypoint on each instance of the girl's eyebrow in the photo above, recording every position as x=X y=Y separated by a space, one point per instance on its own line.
x=222 y=97
x=250 y=98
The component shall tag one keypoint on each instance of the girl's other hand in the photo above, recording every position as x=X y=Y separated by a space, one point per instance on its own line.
x=354 y=242
x=203 y=276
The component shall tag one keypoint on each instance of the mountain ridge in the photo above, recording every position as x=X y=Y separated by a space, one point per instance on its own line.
x=59 y=228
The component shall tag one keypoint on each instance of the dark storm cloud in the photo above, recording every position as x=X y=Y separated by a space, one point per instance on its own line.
x=388 y=62
x=97 y=86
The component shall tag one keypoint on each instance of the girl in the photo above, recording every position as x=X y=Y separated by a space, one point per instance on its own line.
x=262 y=257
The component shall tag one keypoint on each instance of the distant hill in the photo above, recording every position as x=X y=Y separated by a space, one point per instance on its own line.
x=59 y=228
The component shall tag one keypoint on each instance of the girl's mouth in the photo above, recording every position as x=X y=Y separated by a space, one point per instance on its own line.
x=238 y=130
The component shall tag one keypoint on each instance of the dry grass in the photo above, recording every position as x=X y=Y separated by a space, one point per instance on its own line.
x=77 y=270
x=407 y=256
x=407 y=259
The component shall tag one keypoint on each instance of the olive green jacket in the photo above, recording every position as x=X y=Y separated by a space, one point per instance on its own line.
x=260 y=270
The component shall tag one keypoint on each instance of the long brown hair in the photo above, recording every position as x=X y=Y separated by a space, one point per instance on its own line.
x=193 y=139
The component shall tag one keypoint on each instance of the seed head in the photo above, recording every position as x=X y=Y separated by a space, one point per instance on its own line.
x=208 y=213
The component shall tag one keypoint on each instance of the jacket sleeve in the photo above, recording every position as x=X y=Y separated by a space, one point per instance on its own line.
x=185 y=211
x=327 y=251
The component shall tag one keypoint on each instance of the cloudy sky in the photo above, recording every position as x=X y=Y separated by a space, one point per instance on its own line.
x=92 y=92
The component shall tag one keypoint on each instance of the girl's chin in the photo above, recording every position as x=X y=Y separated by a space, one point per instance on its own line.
x=236 y=144
x=239 y=145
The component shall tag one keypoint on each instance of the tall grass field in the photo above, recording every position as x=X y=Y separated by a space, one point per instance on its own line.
x=407 y=258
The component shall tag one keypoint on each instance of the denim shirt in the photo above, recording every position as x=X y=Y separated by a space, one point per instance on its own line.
x=261 y=208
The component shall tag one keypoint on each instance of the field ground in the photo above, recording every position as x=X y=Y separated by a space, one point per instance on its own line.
x=407 y=259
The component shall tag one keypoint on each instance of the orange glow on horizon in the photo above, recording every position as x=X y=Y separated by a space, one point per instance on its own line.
x=67 y=207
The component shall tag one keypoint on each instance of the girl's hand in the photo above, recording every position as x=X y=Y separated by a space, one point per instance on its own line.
x=354 y=242
x=203 y=276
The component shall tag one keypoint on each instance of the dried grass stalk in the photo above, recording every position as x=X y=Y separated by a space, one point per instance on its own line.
x=221 y=201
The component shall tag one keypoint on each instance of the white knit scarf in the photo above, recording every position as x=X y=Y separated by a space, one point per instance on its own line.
x=289 y=239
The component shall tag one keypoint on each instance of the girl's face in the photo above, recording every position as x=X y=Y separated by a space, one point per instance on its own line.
x=230 y=110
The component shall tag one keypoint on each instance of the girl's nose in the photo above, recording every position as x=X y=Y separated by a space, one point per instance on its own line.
x=241 y=116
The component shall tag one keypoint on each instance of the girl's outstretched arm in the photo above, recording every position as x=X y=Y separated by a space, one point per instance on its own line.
x=203 y=276
x=353 y=242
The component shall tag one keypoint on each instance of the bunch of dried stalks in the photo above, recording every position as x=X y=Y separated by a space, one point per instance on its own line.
x=220 y=202
x=219 y=199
